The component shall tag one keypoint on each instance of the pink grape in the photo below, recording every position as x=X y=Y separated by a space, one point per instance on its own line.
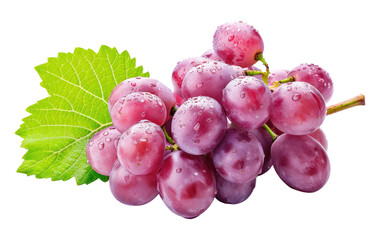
x=141 y=148
x=301 y=162
x=142 y=84
x=297 y=108
x=233 y=193
x=210 y=54
x=186 y=184
x=101 y=150
x=277 y=76
x=266 y=142
x=136 y=106
x=239 y=157
x=182 y=68
x=237 y=44
x=209 y=79
x=132 y=189
x=247 y=102
x=319 y=135
x=199 y=125
x=315 y=76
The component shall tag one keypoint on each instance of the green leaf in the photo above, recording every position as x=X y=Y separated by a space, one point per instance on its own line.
x=60 y=126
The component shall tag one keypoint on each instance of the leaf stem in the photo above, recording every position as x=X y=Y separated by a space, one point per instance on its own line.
x=168 y=138
x=276 y=84
x=271 y=133
x=352 y=102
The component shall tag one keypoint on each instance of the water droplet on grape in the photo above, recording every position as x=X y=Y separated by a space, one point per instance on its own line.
x=142 y=100
x=213 y=70
x=178 y=170
x=242 y=94
x=108 y=139
x=105 y=133
x=91 y=143
x=160 y=103
x=119 y=110
x=199 y=85
x=197 y=126
x=143 y=114
x=143 y=139
x=296 y=97
x=133 y=84
x=209 y=119
x=101 y=145
x=289 y=88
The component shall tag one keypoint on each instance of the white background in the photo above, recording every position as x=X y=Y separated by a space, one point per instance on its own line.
x=343 y=37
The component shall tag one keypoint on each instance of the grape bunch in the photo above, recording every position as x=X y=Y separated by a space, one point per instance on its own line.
x=226 y=123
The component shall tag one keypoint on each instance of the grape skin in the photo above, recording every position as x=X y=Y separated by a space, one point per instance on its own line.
x=266 y=142
x=247 y=102
x=136 y=106
x=239 y=157
x=301 y=162
x=182 y=68
x=237 y=44
x=209 y=79
x=101 y=151
x=315 y=76
x=210 y=54
x=141 y=148
x=297 y=108
x=142 y=84
x=199 y=125
x=277 y=76
x=319 y=136
x=186 y=184
x=233 y=193
x=132 y=189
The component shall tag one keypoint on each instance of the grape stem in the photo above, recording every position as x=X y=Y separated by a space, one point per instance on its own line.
x=352 y=102
x=168 y=138
x=173 y=111
x=260 y=57
x=173 y=148
x=271 y=133
x=253 y=73
x=276 y=84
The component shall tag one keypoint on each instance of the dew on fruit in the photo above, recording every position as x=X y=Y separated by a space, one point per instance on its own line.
x=101 y=145
x=296 y=97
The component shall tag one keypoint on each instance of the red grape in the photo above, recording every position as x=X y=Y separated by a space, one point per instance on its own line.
x=186 y=184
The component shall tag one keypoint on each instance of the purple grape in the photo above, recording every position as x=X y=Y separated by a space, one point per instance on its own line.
x=315 y=76
x=209 y=79
x=239 y=157
x=142 y=84
x=301 y=162
x=247 y=102
x=210 y=54
x=237 y=44
x=141 y=148
x=199 y=125
x=186 y=184
x=136 y=106
x=319 y=135
x=266 y=142
x=297 y=108
x=132 y=189
x=277 y=76
x=233 y=193
x=101 y=150
x=182 y=68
